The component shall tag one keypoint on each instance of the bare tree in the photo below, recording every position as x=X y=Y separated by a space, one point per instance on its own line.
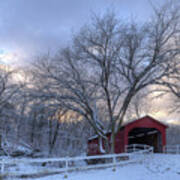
x=171 y=89
x=142 y=104
x=108 y=63
x=9 y=88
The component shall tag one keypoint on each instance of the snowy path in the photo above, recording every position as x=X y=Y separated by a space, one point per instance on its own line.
x=154 y=167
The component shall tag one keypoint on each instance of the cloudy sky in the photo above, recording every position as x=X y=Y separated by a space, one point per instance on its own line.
x=30 y=27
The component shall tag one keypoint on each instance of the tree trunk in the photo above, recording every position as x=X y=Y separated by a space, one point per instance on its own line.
x=112 y=143
x=54 y=138
x=32 y=133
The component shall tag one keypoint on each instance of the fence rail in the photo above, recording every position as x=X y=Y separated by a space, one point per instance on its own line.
x=68 y=164
x=138 y=147
x=172 y=149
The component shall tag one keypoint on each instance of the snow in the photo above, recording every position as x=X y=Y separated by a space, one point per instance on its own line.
x=102 y=150
x=153 y=167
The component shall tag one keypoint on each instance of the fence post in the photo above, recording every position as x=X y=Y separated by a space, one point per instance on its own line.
x=134 y=147
x=66 y=168
x=163 y=150
x=114 y=162
x=2 y=166
x=177 y=149
x=126 y=148
x=152 y=150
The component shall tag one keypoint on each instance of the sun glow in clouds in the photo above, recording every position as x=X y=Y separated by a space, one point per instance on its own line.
x=14 y=57
x=8 y=57
x=10 y=61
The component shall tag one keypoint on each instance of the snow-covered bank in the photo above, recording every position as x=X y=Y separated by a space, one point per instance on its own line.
x=154 y=167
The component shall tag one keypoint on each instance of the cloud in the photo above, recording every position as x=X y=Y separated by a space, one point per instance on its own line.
x=33 y=26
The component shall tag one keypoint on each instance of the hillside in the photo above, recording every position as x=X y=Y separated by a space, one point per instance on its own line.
x=154 y=167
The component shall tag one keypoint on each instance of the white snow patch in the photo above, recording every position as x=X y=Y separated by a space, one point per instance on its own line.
x=153 y=167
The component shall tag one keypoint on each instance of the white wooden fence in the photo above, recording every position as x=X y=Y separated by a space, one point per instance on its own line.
x=172 y=149
x=27 y=167
x=138 y=147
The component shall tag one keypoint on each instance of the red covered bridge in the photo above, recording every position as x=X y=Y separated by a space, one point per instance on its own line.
x=145 y=130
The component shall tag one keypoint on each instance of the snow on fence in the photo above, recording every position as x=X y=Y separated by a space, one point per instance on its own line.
x=172 y=149
x=38 y=167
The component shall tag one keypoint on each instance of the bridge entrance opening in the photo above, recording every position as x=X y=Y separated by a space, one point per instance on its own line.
x=148 y=136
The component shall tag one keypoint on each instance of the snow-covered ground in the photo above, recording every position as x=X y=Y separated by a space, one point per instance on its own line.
x=147 y=167
x=153 y=167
